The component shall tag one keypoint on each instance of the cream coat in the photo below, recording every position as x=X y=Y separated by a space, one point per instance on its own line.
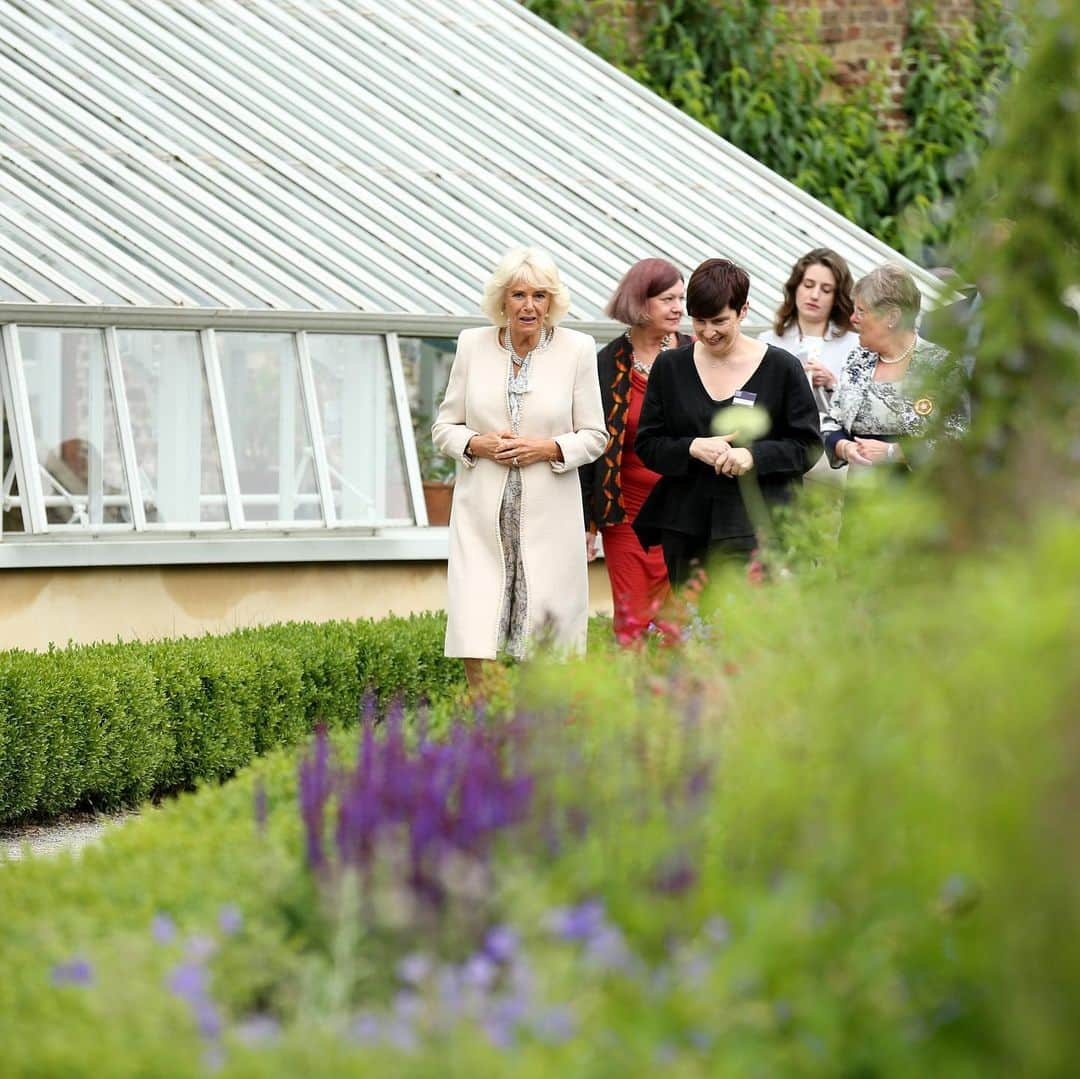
x=563 y=403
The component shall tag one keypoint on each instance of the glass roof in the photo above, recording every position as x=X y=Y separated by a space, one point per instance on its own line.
x=357 y=156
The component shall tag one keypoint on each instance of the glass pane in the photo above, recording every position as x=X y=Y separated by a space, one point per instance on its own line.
x=269 y=433
x=74 y=424
x=427 y=361
x=175 y=446
x=360 y=428
x=13 y=520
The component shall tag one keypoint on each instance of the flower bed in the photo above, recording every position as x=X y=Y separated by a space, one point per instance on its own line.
x=743 y=855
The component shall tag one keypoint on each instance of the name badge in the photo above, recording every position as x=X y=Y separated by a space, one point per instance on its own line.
x=744 y=398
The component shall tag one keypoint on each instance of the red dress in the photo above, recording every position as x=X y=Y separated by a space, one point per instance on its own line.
x=639 y=580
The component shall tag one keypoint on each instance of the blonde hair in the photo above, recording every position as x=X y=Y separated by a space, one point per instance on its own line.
x=890 y=287
x=530 y=267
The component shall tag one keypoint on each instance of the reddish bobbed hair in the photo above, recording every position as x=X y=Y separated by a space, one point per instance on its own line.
x=643 y=281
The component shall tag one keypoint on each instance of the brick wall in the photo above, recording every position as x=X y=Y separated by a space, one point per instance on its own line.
x=861 y=33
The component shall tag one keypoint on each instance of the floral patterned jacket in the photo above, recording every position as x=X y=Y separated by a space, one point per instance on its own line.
x=929 y=402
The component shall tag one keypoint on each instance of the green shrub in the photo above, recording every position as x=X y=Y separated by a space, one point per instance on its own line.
x=111 y=724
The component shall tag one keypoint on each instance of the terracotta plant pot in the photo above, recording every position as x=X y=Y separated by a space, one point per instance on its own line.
x=437 y=497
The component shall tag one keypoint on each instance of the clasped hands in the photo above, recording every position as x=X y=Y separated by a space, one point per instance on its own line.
x=513 y=451
x=720 y=455
x=864 y=451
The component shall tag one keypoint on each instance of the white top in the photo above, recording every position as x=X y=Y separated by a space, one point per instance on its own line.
x=830 y=351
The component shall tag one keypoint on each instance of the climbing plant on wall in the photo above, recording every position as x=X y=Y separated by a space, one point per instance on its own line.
x=757 y=75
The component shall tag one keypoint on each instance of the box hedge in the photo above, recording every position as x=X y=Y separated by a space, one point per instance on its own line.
x=109 y=724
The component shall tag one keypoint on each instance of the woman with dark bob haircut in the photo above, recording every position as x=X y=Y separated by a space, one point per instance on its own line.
x=696 y=512
x=649 y=302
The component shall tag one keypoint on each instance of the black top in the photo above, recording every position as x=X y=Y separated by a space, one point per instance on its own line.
x=690 y=497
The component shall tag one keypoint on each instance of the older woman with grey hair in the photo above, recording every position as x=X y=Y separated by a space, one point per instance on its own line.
x=522 y=413
x=895 y=390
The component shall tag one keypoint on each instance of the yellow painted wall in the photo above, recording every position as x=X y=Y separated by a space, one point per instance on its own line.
x=53 y=606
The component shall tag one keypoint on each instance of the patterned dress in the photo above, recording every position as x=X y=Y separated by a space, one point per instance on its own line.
x=514 y=620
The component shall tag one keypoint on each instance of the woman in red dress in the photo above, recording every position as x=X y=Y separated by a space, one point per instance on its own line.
x=649 y=302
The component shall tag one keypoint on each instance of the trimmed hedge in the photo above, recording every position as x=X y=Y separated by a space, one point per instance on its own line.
x=110 y=724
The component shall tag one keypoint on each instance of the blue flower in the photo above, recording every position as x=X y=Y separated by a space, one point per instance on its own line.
x=73 y=972
x=163 y=929
x=230 y=920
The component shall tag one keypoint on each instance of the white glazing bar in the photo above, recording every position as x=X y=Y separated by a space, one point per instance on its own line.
x=68 y=255
x=122 y=23
x=287 y=477
x=216 y=173
x=254 y=107
x=405 y=429
x=315 y=428
x=5 y=469
x=220 y=411
x=96 y=422
x=21 y=428
x=31 y=293
x=91 y=240
x=48 y=271
x=123 y=421
x=205 y=212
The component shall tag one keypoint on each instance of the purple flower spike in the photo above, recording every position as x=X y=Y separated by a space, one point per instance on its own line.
x=501 y=943
x=366 y=1029
x=580 y=923
x=414 y=969
x=163 y=929
x=208 y=1019
x=478 y=972
x=74 y=972
x=262 y=810
x=230 y=920
x=314 y=792
x=188 y=982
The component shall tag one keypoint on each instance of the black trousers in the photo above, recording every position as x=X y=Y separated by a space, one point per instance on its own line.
x=684 y=555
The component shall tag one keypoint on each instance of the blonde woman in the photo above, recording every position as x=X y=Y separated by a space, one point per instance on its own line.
x=522 y=413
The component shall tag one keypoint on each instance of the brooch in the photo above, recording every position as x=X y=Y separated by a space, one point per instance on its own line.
x=923 y=406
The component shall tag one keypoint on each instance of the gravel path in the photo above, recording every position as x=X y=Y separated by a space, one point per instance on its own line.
x=71 y=832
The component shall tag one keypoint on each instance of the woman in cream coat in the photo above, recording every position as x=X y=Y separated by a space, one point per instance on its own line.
x=522 y=413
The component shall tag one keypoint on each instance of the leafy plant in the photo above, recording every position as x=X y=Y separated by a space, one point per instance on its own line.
x=756 y=74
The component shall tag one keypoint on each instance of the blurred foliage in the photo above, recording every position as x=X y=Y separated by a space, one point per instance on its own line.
x=756 y=74
x=834 y=831
x=1020 y=244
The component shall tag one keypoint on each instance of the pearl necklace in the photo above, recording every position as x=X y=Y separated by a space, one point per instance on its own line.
x=903 y=355
x=546 y=335
x=643 y=369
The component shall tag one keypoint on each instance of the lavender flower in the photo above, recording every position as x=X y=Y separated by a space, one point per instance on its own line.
x=163 y=929
x=501 y=943
x=230 y=920
x=188 y=982
x=262 y=811
x=314 y=791
x=478 y=972
x=414 y=969
x=74 y=972
x=717 y=930
x=580 y=923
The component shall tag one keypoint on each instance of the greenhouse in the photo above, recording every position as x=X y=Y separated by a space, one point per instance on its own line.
x=238 y=240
